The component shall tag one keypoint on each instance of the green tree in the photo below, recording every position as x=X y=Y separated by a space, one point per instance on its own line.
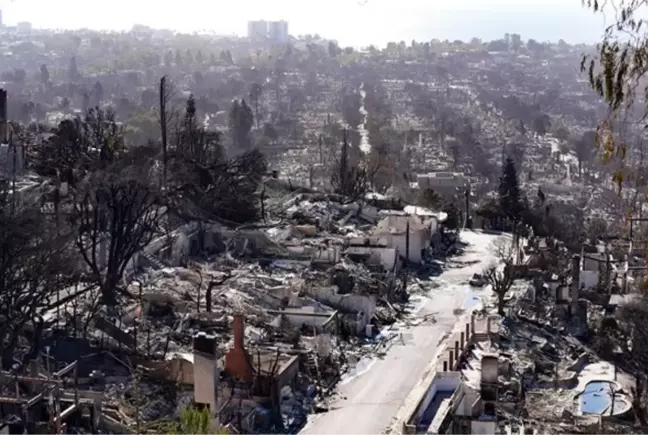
x=189 y=133
x=584 y=149
x=98 y=93
x=192 y=421
x=617 y=72
x=562 y=134
x=255 y=95
x=226 y=56
x=428 y=198
x=334 y=49
x=270 y=132
x=148 y=98
x=73 y=70
x=168 y=58
x=541 y=124
x=240 y=122
x=510 y=196
x=44 y=74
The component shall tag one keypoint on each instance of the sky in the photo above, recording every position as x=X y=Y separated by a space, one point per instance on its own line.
x=351 y=22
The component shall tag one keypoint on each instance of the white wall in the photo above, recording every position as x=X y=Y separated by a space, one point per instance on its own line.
x=588 y=279
x=385 y=256
x=372 y=241
x=482 y=427
x=441 y=180
x=206 y=377
x=418 y=240
x=434 y=224
x=590 y=264
x=443 y=381
x=469 y=398
x=304 y=316
x=351 y=302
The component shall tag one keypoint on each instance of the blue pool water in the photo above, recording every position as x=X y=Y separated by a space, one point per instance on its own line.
x=597 y=398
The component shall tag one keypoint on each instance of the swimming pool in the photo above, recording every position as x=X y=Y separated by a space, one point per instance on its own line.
x=602 y=398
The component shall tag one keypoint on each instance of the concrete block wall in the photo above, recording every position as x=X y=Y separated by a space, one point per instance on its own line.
x=464 y=334
x=444 y=360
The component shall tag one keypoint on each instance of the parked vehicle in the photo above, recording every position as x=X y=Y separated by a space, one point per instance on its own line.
x=478 y=280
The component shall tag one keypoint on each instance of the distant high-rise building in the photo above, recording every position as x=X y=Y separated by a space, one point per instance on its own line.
x=516 y=42
x=257 y=29
x=24 y=27
x=0 y=18
x=278 y=31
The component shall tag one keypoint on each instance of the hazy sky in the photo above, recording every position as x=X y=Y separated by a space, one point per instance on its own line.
x=354 y=22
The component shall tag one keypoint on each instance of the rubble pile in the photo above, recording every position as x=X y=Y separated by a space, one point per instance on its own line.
x=273 y=316
x=550 y=377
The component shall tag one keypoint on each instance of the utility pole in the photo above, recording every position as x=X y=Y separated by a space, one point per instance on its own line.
x=163 y=128
x=14 y=198
x=468 y=217
x=407 y=241
x=344 y=161
x=321 y=156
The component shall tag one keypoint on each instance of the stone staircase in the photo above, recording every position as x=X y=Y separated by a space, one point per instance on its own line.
x=152 y=261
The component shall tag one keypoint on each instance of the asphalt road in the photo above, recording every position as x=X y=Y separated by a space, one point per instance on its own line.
x=369 y=401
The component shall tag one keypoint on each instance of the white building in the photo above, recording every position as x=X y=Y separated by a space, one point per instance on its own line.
x=394 y=229
x=278 y=31
x=443 y=182
x=257 y=29
x=24 y=27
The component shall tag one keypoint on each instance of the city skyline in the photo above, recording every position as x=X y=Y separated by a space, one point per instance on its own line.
x=374 y=22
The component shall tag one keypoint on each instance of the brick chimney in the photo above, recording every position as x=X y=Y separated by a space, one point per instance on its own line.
x=238 y=329
x=206 y=371
x=237 y=363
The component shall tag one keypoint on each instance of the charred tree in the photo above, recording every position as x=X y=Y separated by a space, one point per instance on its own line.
x=348 y=179
x=163 y=127
x=204 y=184
x=115 y=215
x=34 y=265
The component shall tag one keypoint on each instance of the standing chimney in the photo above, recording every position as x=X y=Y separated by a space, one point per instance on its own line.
x=206 y=371
x=575 y=286
x=237 y=361
x=238 y=329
